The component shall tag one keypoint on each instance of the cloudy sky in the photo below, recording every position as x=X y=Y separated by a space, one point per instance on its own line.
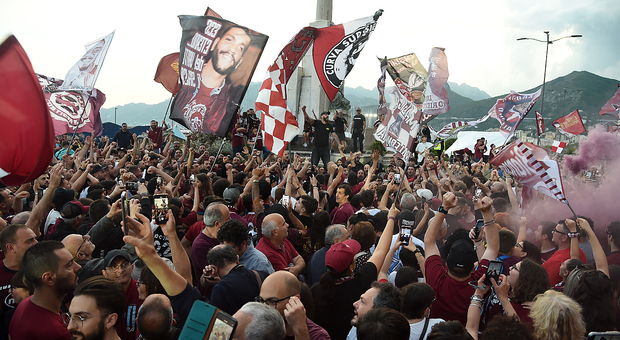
x=480 y=37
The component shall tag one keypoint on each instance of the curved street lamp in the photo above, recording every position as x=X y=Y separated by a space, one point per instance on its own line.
x=548 y=42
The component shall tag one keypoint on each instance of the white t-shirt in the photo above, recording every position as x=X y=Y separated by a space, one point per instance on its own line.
x=423 y=147
x=416 y=328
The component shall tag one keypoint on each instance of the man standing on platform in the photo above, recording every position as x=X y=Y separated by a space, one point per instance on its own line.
x=340 y=125
x=321 y=138
x=359 y=126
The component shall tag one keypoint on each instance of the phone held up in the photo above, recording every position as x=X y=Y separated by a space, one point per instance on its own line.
x=493 y=272
x=405 y=234
x=161 y=208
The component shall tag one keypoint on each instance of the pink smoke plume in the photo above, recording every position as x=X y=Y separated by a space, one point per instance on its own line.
x=598 y=146
x=597 y=199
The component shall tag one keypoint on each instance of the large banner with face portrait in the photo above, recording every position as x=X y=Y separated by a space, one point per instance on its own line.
x=217 y=61
x=412 y=73
x=72 y=109
x=83 y=75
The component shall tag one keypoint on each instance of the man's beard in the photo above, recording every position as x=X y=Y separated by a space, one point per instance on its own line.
x=64 y=286
x=97 y=335
x=216 y=60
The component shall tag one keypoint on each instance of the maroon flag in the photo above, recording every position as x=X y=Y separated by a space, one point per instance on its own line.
x=612 y=107
x=217 y=61
x=167 y=72
x=72 y=109
x=436 y=96
x=530 y=164
x=570 y=125
x=336 y=49
x=511 y=110
x=449 y=129
x=27 y=137
x=278 y=124
x=540 y=123
x=211 y=13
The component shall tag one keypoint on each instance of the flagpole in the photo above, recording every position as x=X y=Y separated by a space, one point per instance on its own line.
x=168 y=108
x=218 y=154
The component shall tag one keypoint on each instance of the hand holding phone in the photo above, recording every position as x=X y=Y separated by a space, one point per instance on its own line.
x=405 y=235
x=161 y=208
x=493 y=271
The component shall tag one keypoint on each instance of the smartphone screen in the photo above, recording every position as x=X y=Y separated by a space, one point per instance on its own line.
x=495 y=268
x=396 y=178
x=604 y=336
x=223 y=327
x=478 y=227
x=161 y=208
x=478 y=194
x=125 y=210
x=285 y=200
x=405 y=235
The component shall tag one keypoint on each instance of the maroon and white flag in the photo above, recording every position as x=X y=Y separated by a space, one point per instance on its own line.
x=558 y=146
x=530 y=164
x=400 y=127
x=570 y=125
x=449 y=129
x=278 y=124
x=336 y=49
x=71 y=110
x=511 y=110
x=540 y=123
x=612 y=107
x=83 y=75
x=436 y=96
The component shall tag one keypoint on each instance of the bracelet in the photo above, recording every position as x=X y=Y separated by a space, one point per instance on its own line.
x=476 y=298
x=476 y=304
x=573 y=235
x=442 y=210
x=391 y=218
x=82 y=169
x=489 y=223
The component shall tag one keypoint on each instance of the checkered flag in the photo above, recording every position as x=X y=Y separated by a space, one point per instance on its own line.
x=278 y=124
x=558 y=146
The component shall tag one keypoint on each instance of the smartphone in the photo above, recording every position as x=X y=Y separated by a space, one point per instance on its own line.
x=478 y=228
x=495 y=268
x=285 y=200
x=40 y=193
x=405 y=234
x=604 y=336
x=224 y=327
x=396 y=178
x=161 y=208
x=478 y=194
x=124 y=210
x=192 y=178
x=158 y=181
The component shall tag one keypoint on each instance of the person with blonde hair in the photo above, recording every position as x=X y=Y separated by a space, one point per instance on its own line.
x=557 y=317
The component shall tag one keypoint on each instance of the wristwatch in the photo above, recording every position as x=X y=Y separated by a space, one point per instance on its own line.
x=442 y=210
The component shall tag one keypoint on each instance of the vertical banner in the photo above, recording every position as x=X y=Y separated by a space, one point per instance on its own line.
x=540 y=123
x=530 y=164
x=217 y=60
x=27 y=137
x=511 y=110
x=612 y=107
x=336 y=48
x=436 y=96
x=383 y=108
x=72 y=110
x=570 y=125
x=413 y=75
x=83 y=75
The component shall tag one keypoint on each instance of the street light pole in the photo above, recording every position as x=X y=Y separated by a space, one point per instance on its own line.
x=547 y=42
x=115 y=114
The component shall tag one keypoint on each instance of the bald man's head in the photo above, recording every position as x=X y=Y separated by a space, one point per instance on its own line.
x=155 y=317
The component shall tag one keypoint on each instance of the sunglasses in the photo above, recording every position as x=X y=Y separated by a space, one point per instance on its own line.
x=559 y=232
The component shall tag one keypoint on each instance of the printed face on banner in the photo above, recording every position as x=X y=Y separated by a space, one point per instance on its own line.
x=413 y=75
x=216 y=64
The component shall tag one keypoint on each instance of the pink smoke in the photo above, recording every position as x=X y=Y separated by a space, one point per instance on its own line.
x=598 y=146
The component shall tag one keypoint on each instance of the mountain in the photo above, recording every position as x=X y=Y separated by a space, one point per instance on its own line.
x=468 y=91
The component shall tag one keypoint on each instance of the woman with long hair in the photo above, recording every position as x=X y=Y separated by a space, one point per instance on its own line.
x=339 y=287
x=557 y=317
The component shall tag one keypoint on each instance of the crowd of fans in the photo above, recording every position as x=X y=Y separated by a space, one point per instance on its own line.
x=344 y=250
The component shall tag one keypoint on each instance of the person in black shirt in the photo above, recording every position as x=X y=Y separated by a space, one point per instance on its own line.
x=123 y=137
x=321 y=139
x=340 y=124
x=359 y=126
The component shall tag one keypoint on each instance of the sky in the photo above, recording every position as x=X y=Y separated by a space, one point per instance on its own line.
x=480 y=37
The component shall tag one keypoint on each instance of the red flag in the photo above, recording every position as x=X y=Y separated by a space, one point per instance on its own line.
x=540 y=123
x=211 y=13
x=612 y=107
x=570 y=125
x=167 y=72
x=436 y=96
x=530 y=164
x=336 y=49
x=558 y=146
x=511 y=110
x=27 y=138
x=71 y=109
x=278 y=124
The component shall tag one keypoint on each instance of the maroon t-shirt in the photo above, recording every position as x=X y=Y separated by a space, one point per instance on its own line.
x=32 y=322
x=126 y=327
x=237 y=138
x=614 y=258
x=200 y=248
x=281 y=257
x=452 y=295
x=8 y=303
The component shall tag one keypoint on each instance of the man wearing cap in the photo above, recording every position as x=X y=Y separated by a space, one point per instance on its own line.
x=278 y=249
x=451 y=284
x=118 y=267
x=232 y=197
x=72 y=214
x=61 y=197
x=321 y=137
x=359 y=126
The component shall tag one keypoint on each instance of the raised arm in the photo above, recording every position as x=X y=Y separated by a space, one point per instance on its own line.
x=378 y=257
x=306 y=117
x=430 y=238
x=491 y=229
x=599 y=254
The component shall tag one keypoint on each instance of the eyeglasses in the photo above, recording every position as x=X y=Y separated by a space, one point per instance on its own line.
x=514 y=266
x=139 y=282
x=518 y=245
x=84 y=239
x=557 y=231
x=271 y=302
x=77 y=320
x=119 y=267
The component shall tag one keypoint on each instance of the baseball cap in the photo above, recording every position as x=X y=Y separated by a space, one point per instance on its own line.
x=231 y=195
x=110 y=256
x=325 y=113
x=96 y=169
x=73 y=209
x=62 y=196
x=340 y=255
x=425 y=194
x=462 y=256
